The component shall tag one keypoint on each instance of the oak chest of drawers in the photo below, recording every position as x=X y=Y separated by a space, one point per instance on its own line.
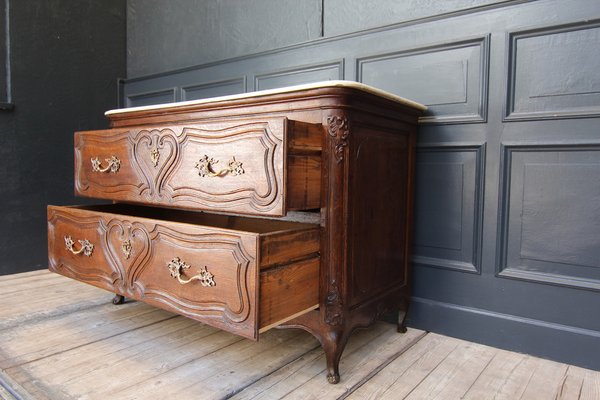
x=283 y=208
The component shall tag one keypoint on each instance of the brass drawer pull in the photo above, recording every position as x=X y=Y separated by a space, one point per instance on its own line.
x=113 y=165
x=205 y=167
x=86 y=246
x=176 y=267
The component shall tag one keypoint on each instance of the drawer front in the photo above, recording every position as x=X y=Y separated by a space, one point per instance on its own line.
x=206 y=273
x=76 y=249
x=208 y=276
x=233 y=167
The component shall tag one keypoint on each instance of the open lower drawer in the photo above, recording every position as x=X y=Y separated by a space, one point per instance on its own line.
x=243 y=275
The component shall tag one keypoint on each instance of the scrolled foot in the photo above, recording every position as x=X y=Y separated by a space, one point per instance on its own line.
x=402 y=328
x=333 y=378
x=118 y=299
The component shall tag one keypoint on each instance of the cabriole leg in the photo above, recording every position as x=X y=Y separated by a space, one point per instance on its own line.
x=333 y=344
x=332 y=339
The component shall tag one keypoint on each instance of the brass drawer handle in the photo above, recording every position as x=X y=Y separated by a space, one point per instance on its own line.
x=205 y=167
x=176 y=267
x=113 y=165
x=86 y=246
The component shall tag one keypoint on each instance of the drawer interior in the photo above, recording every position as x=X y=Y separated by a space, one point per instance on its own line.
x=246 y=224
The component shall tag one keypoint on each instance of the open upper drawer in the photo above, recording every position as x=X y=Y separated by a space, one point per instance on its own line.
x=261 y=166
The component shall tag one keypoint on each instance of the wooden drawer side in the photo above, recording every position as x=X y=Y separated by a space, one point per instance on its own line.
x=287 y=292
x=304 y=165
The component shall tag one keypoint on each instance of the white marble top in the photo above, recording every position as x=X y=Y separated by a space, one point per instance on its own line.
x=316 y=85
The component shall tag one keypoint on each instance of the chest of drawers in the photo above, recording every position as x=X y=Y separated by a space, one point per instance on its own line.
x=285 y=208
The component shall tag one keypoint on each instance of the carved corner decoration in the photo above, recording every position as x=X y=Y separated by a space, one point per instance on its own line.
x=333 y=305
x=337 y=127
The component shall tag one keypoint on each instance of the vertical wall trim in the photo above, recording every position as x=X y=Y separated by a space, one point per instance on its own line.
x=7 y=60
x=322 y=18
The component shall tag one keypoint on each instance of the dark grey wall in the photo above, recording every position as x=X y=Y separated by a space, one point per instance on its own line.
x=345 y=16
x=189 y=32
x=66 y=56
x=192 y=32
x=507 y=235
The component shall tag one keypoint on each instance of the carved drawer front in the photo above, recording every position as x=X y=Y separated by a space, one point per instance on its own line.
x=76 y=248
x=244 y=275
x=263 y=167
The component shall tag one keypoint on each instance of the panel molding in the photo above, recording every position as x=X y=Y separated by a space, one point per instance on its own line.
x=241 y=80
x=474 y=267
x=503 y=269
x=325 y=40
x=483 y=69
x=509 y=113
x=307 y=68
x=130 y=99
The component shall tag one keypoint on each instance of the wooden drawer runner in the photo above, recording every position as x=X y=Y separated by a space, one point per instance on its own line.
x=260 y=167
x=243 y=275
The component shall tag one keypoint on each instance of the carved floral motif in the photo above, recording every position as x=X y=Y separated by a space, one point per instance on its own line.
x=333 y=305
x=337 y=127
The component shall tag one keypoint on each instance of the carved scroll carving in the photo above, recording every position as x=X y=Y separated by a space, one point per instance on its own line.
x=333 y=305
x=337 y=127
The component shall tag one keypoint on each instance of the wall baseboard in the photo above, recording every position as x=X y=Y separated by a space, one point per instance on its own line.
x=557 y=342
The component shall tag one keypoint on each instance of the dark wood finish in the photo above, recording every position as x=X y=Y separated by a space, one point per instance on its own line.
x=162 y=165
x=227 y=247
x=349 y=156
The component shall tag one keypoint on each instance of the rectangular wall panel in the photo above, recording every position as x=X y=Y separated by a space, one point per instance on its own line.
x=298 y=76
x=554 y=73
x=551 y=215
x=213 y=89
x=448 y=207
x=450 y=79
x=150 y=98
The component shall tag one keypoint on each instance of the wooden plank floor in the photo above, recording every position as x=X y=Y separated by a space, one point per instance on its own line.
x=60 y=339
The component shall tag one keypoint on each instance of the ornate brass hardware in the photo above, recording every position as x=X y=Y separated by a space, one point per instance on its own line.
x=113 y=165
x=205 y=167
x=176 y=267
x=155 y=156
x=86 y=246
x=126 y=248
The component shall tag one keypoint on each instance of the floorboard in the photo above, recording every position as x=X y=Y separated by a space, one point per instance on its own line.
x=68 y=341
